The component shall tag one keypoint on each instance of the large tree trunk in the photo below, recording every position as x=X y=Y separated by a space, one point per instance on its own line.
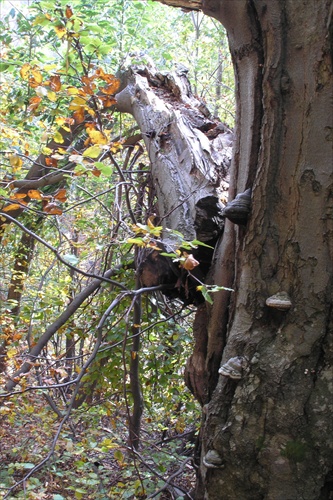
x=266 y=434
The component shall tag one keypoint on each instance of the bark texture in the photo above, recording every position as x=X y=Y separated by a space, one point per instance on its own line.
x=190 y=154
x=266 y=436
x=187 y=166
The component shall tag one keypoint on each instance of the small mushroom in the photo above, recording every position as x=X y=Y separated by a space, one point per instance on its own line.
x=234 y=367
x=280 y=300
x=212 y=460
x=238 y=209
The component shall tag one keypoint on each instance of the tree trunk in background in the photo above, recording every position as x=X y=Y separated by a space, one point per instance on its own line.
x=269 y=434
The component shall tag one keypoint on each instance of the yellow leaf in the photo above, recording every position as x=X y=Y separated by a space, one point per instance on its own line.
x=36 y=78
x=136 y=241
x=77 y=103
x=11 y=352
x=150 y=223
x=72 y=90
x=134 y=354
x=47 y=151
x=58 y=138
x=49 y=67
x=24 y=71
x=92 y=152
x=15 y=162
x=60 y=31
x=60 y=120
x=52 y=95
x=115 y=147
x=97 y=137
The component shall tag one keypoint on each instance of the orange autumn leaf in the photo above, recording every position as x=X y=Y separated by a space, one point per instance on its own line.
x=100 y=73
x=89 y=89
x=52 y=209
x=60 y=195
x=111 y=88
x=18 y=196
x=107 y=77
x=78 y=115
x=107 y=101
x=51 y=162
x=34 y=103
x=55 y=83
x=12 y=206
x=68 y=11
x=190 y=262
x=96 y=172
x=87 y=80
x=34 y=194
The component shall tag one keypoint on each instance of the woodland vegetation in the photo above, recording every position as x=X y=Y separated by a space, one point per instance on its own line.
x=84 y=347
x=166 y=249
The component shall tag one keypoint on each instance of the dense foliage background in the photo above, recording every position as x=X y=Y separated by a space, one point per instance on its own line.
x=60 y=65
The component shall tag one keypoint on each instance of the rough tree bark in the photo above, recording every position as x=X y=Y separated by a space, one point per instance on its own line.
x=190 y=153
x=266 y=435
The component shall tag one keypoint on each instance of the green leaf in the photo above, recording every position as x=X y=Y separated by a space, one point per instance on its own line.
x=105 y=169
x=197 y=242
x=206 y=295
x=118 y=455
x=71 y=259
x=27 y=465
x=173 y=255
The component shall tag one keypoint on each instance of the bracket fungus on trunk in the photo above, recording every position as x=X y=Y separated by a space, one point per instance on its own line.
x=212 y=460
x=280 y=301
x=234 y=368
x=238 y=209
